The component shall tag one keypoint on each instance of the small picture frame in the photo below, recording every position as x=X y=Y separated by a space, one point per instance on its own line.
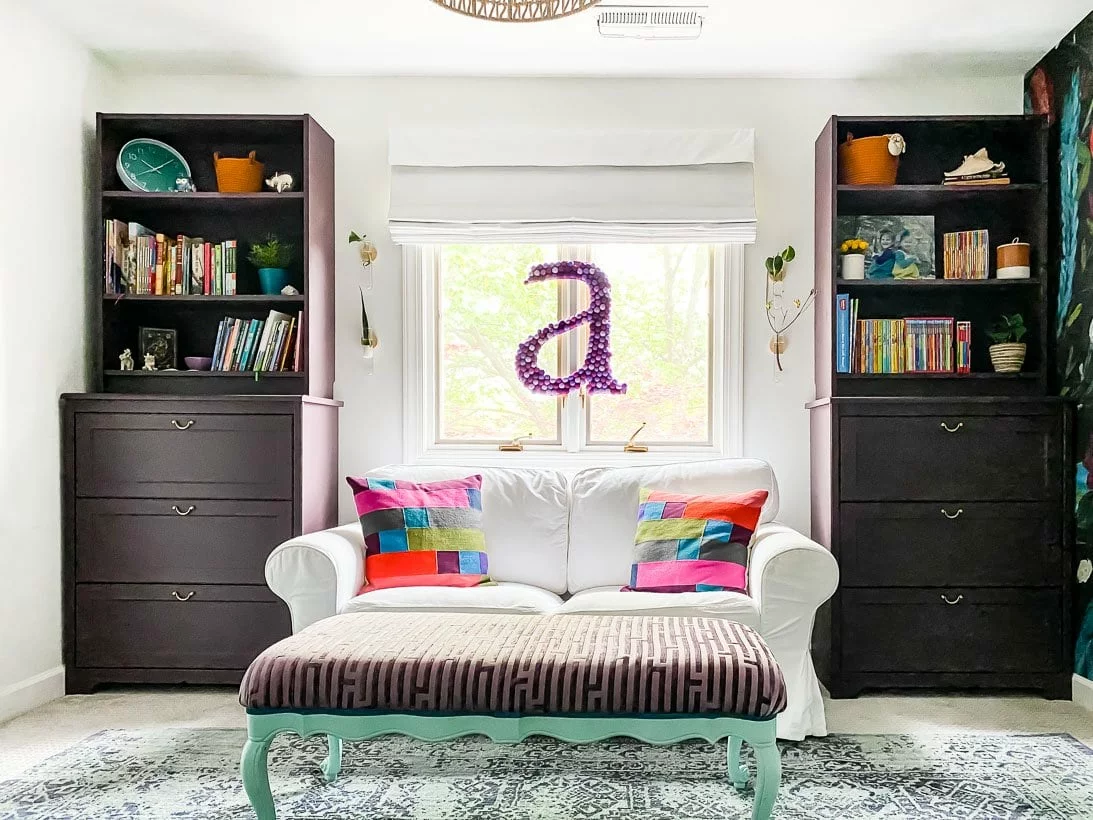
x=161 y=343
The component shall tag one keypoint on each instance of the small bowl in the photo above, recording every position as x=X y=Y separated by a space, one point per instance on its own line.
x=198 y=362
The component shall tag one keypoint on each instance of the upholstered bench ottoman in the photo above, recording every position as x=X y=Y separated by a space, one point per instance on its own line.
x=578 y=678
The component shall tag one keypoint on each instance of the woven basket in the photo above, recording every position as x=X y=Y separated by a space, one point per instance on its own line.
x=235 y=175
x=867 y=161
x=1008 y=357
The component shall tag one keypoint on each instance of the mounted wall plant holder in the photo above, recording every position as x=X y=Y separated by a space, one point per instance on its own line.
x=369 y=340
x=779 y=317
x=366 y=249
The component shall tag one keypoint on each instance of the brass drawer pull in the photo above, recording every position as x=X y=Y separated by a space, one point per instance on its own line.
x=191 y=508
x=182 y=425
x=945 y=513
x=958 y=599
x=948 y=429
x=190 y=594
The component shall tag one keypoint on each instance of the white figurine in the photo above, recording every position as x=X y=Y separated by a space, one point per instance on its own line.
x=126 y=359
x=289 y=290
x=281 y=182
x=149 y=361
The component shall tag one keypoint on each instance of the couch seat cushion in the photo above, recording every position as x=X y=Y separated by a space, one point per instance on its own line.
x=519 y=599
x=732 y=606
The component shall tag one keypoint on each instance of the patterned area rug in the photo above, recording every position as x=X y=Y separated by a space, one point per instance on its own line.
x=192 y=774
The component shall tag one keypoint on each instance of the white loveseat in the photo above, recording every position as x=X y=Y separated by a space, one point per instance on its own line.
x=560 y=544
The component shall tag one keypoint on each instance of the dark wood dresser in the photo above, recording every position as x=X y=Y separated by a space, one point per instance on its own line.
x=949 y=520
x=171 y=506
x=947 y=497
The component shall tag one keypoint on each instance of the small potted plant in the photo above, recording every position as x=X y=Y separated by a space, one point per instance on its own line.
x=1008 y=351
x=272 y=259
x=853 y=251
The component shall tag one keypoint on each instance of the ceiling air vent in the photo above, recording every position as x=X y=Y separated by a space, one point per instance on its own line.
x=651 y=22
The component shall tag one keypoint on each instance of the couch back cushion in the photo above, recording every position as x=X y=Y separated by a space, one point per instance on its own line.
x=524 y=515
x=603 y=517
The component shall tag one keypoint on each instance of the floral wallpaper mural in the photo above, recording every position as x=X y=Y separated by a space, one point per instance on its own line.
x=1061 y=87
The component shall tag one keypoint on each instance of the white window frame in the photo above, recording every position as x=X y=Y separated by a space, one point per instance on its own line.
x=421 y=267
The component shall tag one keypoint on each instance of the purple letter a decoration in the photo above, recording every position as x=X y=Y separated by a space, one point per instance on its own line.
x=594 y=375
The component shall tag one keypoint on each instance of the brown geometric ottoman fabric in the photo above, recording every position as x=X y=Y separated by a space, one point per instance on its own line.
x=519 y=665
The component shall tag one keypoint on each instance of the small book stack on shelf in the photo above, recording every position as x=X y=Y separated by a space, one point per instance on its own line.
x=965 y=254
x=258 y=345
x=142 y=262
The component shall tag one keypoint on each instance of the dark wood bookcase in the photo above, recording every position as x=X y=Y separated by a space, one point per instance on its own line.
x=945 y=497
x=178 y=484
x=304 y=217
x=937 y=144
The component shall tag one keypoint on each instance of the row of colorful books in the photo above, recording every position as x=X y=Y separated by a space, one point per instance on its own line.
x=259 y=345
x=965 y=254
x=137 y=260
x=909 y=345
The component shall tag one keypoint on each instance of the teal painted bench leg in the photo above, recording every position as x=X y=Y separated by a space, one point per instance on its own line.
x=768 y=777
x=737 y=773
x=332 y=766
x=256 y=777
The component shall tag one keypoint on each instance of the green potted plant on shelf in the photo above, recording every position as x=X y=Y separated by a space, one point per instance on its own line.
x=272 y=259
x=1008 y=351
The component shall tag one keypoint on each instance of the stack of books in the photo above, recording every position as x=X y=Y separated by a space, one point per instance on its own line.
x=258 y=345
x=910 y=345
x=880 y=346
x=963 y=347
x=140 y=261
x=929 y=344
x=965 y=254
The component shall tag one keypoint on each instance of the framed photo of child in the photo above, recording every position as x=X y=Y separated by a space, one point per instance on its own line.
x=900 y=247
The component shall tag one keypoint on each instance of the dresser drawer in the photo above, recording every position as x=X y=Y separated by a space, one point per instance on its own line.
x=145 y=626
x=986 y=630
x=950 y=543
x=162 y=541
x=939 y=458
x=184 y=455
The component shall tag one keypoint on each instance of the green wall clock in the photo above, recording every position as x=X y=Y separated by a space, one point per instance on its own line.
x=150 y=165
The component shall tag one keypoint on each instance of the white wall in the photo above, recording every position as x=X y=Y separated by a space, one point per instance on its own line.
x=47 y=95
x=787 y=116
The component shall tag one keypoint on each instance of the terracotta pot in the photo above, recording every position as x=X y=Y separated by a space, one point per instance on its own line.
x=1008 y=357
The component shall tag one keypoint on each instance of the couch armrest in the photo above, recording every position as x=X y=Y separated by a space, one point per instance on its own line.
x=315 y=574
x=789 y=576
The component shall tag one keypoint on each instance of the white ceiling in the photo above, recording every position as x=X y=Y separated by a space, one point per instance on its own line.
x=742 y=38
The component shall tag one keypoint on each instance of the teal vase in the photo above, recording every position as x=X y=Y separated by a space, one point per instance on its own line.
x=272 y=280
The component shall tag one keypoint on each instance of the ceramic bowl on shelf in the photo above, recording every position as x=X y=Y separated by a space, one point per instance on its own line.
x=198 y=362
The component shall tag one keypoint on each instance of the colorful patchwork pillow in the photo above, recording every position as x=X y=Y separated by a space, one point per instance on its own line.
x=421 y=534
x=694 y=543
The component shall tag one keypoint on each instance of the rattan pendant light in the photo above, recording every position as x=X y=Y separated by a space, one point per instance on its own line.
x=517 y=11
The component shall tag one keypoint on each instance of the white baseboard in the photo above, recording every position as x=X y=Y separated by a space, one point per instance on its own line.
x=1083 y=692
x=30 y=693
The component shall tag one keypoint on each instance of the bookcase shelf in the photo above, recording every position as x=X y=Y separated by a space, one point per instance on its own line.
x=935 y=145
x=302 y=218
x=195 y=299
x=924 y=284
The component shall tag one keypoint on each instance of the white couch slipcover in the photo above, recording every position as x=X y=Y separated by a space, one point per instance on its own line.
x=549 y=538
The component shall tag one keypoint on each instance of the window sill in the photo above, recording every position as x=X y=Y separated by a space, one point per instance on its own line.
x=564 y=461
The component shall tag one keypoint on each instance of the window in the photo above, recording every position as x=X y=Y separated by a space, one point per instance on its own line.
x=675 y=341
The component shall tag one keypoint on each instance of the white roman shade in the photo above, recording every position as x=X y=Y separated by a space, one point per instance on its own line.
x=547 y=185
